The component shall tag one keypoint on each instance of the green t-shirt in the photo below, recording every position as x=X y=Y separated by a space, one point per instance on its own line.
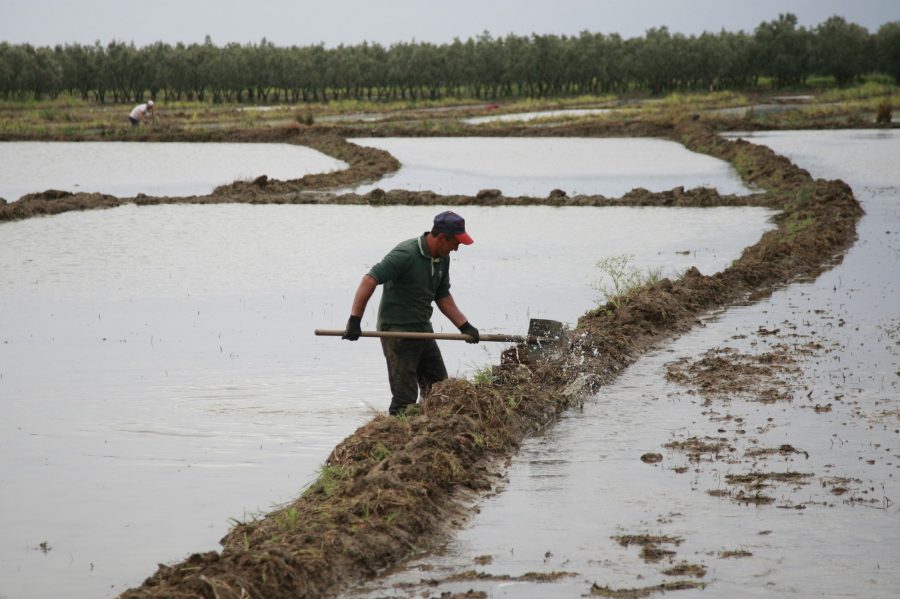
x=412 y=280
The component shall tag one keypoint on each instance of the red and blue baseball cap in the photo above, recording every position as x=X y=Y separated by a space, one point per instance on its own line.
x=451 y=223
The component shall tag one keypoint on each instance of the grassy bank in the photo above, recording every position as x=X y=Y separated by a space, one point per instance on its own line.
x=74 y=119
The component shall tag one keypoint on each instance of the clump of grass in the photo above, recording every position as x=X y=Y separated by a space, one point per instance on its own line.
x=484 y=376
x=380 y=452
x=795 y=227
x=288 y=518
x=329 y=479
x=622 y=279
x=870 y=89
x=704 y=100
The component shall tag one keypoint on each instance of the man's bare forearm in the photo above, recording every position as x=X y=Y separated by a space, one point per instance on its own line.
x=363 y=294
x=448 y=308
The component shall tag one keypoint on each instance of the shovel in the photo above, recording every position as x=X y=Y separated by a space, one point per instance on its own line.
x=541 y=333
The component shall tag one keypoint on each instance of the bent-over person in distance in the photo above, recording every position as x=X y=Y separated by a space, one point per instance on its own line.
x=140 y=113
x=414 y=274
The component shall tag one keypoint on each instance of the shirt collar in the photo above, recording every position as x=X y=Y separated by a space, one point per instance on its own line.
x=423 y=246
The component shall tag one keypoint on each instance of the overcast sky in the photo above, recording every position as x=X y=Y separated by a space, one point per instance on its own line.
x=333 y=22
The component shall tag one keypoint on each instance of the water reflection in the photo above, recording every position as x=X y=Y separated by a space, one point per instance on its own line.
x=157 y=364
x=536 y=166
x=125 y=169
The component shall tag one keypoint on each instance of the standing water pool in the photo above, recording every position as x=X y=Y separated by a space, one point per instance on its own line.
x=159 y=376
x=536 y=166
x=126 y=169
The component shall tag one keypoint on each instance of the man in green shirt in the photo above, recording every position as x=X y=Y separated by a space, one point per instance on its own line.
x=414 y=274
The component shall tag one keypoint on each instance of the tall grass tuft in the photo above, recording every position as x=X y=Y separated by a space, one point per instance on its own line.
x=622 y=279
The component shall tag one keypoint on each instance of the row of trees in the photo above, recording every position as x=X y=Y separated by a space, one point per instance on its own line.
x=484 y=67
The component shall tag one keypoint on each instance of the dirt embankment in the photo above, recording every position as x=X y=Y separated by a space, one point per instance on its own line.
x=396 y=483
x=367 y=165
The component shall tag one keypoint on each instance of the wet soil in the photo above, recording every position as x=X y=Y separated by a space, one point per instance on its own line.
x=722 y=376
x=397 y=484
x=639 y=593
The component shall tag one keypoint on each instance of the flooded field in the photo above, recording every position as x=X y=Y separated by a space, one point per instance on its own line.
x=159 y=376
x=531 y=116
x=536 y=166
x=126 y=169
x=753 y=457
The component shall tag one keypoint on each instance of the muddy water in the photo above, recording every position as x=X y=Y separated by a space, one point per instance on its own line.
x=834 y=533
x=531 y=116
x=159 y=376
x=534 y=167
x=127 y=168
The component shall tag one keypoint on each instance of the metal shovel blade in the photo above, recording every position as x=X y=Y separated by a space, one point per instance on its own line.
x=548 y=338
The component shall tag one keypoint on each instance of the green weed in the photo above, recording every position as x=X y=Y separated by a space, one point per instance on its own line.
x=794 y=227
x=484 y=376
x=409 y=412
x=329 y=478
x=288 y=519
x=622 y=279
x=380 y=452
x=870 y=89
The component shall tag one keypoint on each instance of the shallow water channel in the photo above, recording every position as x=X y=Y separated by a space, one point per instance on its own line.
x=536 y=166
x=126 y=169
x=531 y=116
x=835 y=533
x=159 y=375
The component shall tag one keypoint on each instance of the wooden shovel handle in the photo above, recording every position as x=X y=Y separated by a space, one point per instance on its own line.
x=444 y=336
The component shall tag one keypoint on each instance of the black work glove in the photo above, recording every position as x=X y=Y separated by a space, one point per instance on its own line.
x=353 y=330
x=467 y=329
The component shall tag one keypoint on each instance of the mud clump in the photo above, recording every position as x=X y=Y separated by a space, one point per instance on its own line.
x=686 y=569
x=640 y=593
x=734 y=553
x=783 y=450
x=53 y=202
x=697 y=448
x=488 y=194
x=651 y=545
x=750 y=486
x=742 y=497
x=527 y=577
x=760 y=480
x=50 y=194
x=726 y=373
